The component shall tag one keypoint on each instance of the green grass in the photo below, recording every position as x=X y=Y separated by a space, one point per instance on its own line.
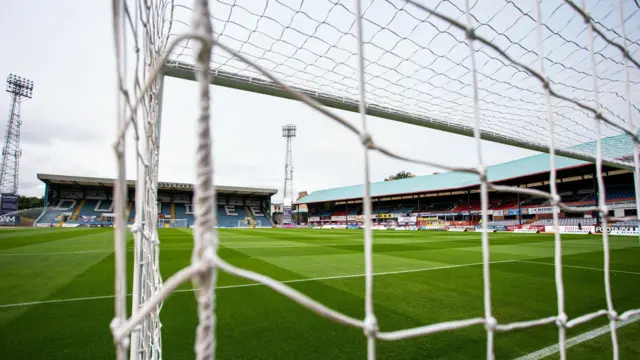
x=45 y=265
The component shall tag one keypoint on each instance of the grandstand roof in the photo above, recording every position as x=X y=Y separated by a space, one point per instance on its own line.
x=105 y=182
x=613 y=147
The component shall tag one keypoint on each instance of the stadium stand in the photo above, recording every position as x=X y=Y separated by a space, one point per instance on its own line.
x=230 y=215
x=180 y=212
x=533 y=202
x=578 y=196
x=628 y=223
x=620 y=194
x=54 y=214
x=465 y=206
x=81 y=201
x=165 y=209
x=507 y=204
x=509 y=171
x=132 y=211
x=382 y=210
x=260 y=215
x=401 y=210
x=444 y=198
x=90 y=211
x=567 y=222
x=442 y=206
x=503 y=223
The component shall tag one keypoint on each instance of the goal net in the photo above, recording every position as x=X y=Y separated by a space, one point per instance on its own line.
x=179 y=223
x=249 y=223
x=172 y=223
x=558 y=77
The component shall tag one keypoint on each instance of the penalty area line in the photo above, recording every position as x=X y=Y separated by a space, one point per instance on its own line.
x=55 y=301
x=580 y=267
x=589 y=335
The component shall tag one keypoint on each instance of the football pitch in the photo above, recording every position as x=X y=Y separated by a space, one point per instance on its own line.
x=56 y=293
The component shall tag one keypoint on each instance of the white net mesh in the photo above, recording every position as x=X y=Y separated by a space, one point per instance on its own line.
x=417 y=63
x=139 y=26
x=546 y=72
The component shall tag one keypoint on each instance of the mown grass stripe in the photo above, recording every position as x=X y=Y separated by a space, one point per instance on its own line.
x=259 y=284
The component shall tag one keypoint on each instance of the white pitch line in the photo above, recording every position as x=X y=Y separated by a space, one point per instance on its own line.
x=550 y=350
x=57 y=253
x=260 y=284
x=580 y=267
x=227 y=246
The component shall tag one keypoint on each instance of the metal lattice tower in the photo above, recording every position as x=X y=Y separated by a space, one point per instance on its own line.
x=19 y=89
x=288 y=132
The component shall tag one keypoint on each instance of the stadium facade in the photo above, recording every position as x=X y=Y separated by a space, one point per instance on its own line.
x=74 y=201
x=452 y=200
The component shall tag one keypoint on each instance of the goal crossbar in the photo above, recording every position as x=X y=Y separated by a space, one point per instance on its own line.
x=222 y=78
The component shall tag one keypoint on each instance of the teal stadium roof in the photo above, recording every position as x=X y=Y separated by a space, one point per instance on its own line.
x=613 y=147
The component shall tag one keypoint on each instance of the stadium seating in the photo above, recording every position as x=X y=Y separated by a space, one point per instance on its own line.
x=628 y=223
x=230 y=215
x=464 y=207
x=505 y=205
x=579 y=196
x=567 y=222
x=165 y=209
x=88 y=213
x=503 y=223
x=534 y=202
x=619 y=194
x=402 y=210
x=181 y=213
x=132 y=213
x=52 y=213
x=259 y=215
x=442 y=206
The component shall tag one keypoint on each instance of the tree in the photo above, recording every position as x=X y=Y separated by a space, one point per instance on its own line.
x=25 y=202
x=400 y=175
x=302 y=194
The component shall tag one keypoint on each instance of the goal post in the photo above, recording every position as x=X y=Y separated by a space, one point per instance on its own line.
x=458 y=71
x=246 y=222
x=249 y=223
x=179 y=223
x=172 y=223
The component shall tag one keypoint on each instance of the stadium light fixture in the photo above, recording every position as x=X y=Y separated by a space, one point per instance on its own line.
x=19 y=86
x=19 y=89
x=289 y=131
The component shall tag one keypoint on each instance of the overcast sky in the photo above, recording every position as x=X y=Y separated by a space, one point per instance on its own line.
x=66 y=47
